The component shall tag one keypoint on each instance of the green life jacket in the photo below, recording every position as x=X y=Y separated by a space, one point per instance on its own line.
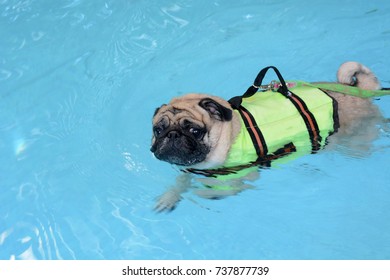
x=283 y=122
x=303 y=118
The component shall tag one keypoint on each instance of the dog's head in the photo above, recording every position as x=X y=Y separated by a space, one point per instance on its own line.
x=193 y=130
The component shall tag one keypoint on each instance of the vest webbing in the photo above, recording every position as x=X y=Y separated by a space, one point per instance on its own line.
x=264 y=161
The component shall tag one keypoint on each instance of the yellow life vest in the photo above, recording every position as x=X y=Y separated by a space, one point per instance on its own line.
x=285 y=121
x=304 y=119
x=294 y=119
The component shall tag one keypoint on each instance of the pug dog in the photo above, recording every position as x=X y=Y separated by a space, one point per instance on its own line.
x=197 y=130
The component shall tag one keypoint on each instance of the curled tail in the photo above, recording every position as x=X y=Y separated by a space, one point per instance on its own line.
x=356 y=74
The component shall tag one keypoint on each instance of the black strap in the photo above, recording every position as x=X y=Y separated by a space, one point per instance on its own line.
x=261 y=162
x=259 y=80
x=309 y=119
x=236 y=101
x=254 y=132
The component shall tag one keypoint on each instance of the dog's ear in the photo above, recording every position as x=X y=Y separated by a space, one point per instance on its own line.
x=216 y=110
x=158 y=109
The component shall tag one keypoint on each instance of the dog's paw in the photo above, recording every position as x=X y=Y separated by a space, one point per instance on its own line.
x=168 y=201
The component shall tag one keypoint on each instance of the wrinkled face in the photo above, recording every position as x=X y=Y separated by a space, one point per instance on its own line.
x=187 y=130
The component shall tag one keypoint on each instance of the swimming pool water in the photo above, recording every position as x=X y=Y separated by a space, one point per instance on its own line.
x=79 y=82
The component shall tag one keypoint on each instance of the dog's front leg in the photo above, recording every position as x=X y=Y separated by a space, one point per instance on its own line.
x=229 y=187
x=169 y=200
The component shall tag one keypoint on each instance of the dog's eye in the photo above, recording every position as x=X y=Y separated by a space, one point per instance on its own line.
x=160 y=126
x=196 y=132
x=157 y=131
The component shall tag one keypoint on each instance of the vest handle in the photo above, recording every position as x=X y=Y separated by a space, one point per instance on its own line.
x=235 y=102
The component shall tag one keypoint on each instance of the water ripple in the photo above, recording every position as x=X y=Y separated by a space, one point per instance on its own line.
x=37 y=35
x=169 y=11
x=105 y=12
x=65 y=120
x=14 y=10
x=72 y=4
x=5 y=74
x=131 y=164
x=11 y=75
x=32 y=239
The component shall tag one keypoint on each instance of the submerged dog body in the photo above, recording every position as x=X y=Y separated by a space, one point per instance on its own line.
x=198 y=130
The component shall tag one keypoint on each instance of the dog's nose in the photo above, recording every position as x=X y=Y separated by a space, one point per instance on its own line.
x=174 y=134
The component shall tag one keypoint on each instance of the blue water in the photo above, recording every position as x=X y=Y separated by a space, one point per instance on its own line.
x=79 y=82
